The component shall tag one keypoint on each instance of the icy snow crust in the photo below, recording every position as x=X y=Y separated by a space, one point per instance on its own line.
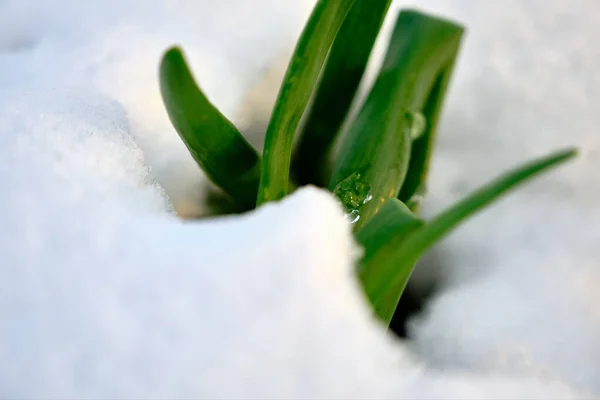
x=105 y=293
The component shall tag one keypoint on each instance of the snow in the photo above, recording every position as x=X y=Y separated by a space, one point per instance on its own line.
x=105 y=293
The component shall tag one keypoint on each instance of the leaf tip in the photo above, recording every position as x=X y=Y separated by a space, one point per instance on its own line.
x=560 y=156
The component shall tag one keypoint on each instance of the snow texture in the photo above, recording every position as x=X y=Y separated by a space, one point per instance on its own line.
x=105 y=293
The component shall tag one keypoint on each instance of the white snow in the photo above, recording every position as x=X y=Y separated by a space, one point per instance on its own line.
x=105 y=293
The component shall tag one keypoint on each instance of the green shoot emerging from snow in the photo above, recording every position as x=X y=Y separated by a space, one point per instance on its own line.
x=380 y=171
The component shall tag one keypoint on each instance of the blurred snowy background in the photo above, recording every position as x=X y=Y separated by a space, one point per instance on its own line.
x=104 y=293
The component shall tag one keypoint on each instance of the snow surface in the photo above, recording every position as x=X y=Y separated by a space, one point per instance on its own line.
x=105 y=293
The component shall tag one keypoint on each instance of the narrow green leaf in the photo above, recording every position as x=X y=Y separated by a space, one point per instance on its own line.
x=341 y=76
x=394 y=261
x=214 y=142
x=414 y=186
x=299 y=82
x=378 y=144
x=393 y=222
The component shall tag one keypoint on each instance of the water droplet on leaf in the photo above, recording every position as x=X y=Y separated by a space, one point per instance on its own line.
x=353 y=216
x=353 y=193
x=416 y=124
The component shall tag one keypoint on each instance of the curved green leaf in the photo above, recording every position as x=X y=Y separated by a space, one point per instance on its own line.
x=394 y=222
x=378 y=144
x=414 y=185
x=298 y=84
x=343 y=71
x=394 y=261
x=214 y=142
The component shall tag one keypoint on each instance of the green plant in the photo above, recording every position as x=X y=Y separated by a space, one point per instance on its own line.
x=380 y=171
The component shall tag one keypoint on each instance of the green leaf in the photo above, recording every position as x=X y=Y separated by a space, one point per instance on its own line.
x=393 y=222
x=395 y=260
x=378 y=143
x=414 y=186
x=298 y=84
x=341 y=76
x=214 y=142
